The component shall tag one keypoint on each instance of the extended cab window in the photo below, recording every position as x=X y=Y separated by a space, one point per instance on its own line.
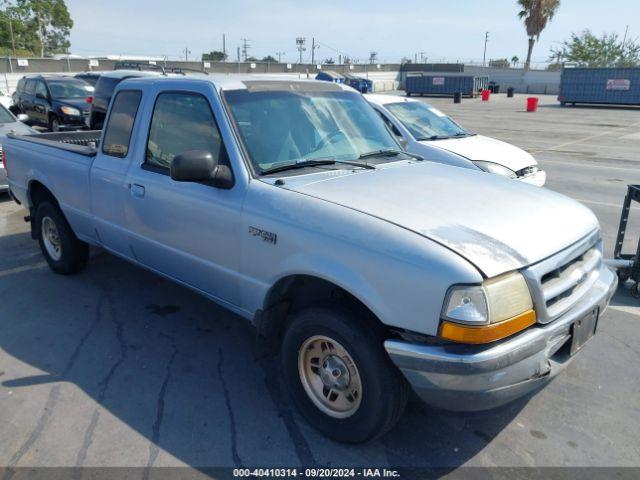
x=181 y=122
x=30 y=88
x=118 y=131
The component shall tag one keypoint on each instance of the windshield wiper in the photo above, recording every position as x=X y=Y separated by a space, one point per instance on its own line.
x=387 y=152
x=312 y=162
x=301 y=163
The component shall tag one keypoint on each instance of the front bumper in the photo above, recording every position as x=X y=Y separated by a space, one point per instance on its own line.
x=479 y=377
x=73 y=122
x=539 y=178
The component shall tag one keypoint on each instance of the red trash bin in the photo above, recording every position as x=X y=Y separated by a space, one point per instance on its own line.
x=485 y=95
x=532 y=104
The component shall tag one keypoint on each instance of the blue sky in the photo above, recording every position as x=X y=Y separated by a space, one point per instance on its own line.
x=450 y=30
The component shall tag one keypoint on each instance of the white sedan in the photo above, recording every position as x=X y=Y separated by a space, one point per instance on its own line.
x=418 y=125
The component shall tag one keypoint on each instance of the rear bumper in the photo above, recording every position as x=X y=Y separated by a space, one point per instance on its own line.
x=4 y=185
x=468 y=377
x=538 y=179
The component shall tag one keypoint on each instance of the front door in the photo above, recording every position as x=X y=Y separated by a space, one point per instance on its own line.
x=186 y=230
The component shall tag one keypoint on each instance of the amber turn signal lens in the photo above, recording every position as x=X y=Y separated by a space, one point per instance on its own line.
x=487 y=333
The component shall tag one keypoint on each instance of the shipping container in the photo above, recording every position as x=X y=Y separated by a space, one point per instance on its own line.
x=619 y=86
x=330 y=76
x=435 y=84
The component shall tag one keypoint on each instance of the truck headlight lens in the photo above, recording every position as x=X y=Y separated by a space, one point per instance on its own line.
x=485 y=313
x=74 y=112
x=496 y=168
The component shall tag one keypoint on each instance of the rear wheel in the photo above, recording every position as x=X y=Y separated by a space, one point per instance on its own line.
x=339 y=375
x=62 y=250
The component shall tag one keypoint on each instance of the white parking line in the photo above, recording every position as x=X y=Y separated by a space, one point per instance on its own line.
x=24 y=268
x=623 y=308
x=591 y=137
x=589 y=165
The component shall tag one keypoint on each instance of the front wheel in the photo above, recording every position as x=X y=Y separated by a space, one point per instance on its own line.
x=54 y=124
x=62 y=250
x=339 y=375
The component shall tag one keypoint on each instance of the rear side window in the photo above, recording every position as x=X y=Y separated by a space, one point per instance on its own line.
x=30 y=88
x=117 y=134
x=181 y=122
x=106 y=85
x=21 y=83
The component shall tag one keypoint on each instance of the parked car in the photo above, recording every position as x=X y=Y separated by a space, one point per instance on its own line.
x=106 y=84
x=53 y=101
x=5 y=100
x=90 y=77
x=418 y=124
x=9 y=123
x=290 y=203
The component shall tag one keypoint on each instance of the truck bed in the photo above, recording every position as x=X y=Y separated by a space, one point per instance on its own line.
x=83 y=142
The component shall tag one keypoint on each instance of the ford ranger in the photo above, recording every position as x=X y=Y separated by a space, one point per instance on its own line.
x=371 y=271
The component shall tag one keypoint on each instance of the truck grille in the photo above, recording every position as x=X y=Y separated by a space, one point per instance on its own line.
x=558 y=282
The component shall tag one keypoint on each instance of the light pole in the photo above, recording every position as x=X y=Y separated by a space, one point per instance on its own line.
x=484 y=56
x=279 y=54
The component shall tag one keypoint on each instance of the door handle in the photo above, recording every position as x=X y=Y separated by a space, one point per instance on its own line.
x=136 y=190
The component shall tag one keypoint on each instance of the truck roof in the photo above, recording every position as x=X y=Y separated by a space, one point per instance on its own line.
x=243 y=82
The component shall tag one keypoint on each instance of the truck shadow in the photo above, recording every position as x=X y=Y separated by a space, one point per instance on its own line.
x=183 y=374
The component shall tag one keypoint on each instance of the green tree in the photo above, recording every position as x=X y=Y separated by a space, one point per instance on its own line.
x=604 y=51
x=329 y=61
x=499 y=63
x=215 y=56
x=269 y=59
x=536 y=14
x=39 y=26
x=515 y=60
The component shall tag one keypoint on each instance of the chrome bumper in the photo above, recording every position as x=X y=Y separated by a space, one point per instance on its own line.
x=478 y=377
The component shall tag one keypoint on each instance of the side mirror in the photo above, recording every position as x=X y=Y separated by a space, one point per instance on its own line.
x=200 y=166
x=23 y=117
x=403 y=142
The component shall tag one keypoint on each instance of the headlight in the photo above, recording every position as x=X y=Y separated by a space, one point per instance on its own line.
x=498 y=169
x=74 y=112
x=485 y=313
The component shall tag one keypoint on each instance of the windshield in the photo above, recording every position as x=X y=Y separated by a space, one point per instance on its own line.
x=69 y=89
x=425 y=122
x=5 y=116
x=282 y=127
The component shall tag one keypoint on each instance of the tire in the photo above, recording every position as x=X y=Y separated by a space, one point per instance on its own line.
x=383 y=391
x=62 y=250
x=54 y=124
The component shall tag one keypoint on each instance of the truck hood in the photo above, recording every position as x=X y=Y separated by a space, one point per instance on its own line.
x=495 y=223
x=479 y=147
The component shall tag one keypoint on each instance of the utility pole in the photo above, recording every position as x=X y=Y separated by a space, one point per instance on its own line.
x=238 y=54
x=422 y=57
x=415 y=58
x=13 y=42
x=224 y=48
x=484 y=56
x=186 y=54
x=624 y=39
x=313 y=50
x=300 y=43
x=245 y=48
x=279 y=54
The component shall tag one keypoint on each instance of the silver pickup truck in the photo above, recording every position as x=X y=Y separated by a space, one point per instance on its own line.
x=370 y=270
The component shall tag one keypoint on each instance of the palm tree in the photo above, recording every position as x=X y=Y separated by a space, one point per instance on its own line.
x=515 y=60
x=536 y=15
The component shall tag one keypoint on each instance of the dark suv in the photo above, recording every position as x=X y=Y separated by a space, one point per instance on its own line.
x=104 y=90
x=53 y=101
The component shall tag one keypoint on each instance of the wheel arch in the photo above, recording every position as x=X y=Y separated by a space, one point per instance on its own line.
x=38 y=193
x=294 y=292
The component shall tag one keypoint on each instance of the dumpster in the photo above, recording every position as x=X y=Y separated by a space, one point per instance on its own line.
x=330 y=76
x=434 y=84
x=363 y=85
x=617 y=86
